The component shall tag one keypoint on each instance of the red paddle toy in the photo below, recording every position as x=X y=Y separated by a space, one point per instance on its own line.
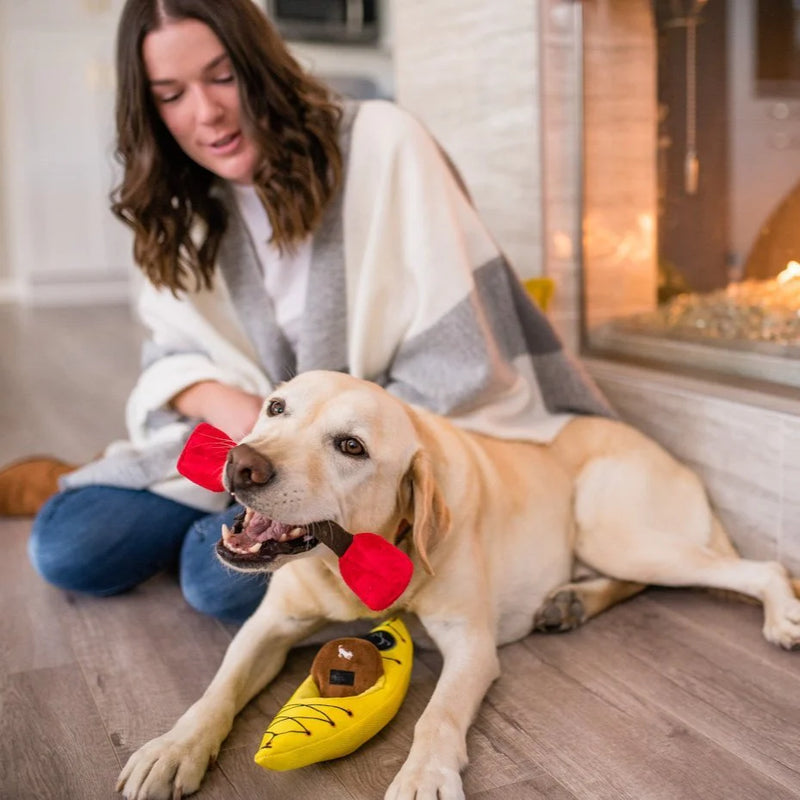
x=376 y=571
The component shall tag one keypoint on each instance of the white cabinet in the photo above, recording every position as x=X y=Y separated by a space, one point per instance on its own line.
x=62 y=242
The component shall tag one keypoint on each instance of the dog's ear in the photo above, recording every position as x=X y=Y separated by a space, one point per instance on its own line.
x=430 y=512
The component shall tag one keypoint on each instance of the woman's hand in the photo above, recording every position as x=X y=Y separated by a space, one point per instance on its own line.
x=225 y=407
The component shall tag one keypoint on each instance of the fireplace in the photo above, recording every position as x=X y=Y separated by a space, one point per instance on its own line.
x=707 y=274
x=551 y=112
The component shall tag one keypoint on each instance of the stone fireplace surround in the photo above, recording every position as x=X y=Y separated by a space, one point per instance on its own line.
x=500 y=85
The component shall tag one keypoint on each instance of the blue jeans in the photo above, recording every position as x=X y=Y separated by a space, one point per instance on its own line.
x=102 y=540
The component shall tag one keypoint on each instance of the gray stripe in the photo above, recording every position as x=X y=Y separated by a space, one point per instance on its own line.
x=567 y=388
x=128 y=470
x=239 y=264
x=517 y=324
x=457 y=364
x=538 y=334
x=521 y=327
x=323 y=336
x=464 y=359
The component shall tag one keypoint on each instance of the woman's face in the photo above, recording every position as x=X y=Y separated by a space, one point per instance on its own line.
x=194 y=88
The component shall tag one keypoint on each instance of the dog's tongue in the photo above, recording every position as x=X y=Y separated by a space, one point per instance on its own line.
x=375 y=570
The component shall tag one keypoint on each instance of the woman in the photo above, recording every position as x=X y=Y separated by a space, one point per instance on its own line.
x=281 y=230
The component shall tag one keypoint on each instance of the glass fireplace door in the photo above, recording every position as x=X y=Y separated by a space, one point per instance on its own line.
x=727 y=157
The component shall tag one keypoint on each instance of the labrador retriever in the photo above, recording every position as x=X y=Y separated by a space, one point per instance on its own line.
x=496 y=529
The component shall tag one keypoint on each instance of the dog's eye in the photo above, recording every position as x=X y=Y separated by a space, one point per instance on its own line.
x=275 y=407
x=351 y=447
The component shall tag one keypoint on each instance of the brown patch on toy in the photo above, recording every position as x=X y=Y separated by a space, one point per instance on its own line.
x=346 y=667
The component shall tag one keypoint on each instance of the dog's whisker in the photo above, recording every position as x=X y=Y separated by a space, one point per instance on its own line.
x=218 y=447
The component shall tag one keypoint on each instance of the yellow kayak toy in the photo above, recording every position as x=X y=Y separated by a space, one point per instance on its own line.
x=317 y=725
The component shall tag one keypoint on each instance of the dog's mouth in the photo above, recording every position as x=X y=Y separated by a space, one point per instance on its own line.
x=256 y=540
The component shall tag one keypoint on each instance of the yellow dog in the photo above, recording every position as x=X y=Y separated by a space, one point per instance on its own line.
x=498 y=530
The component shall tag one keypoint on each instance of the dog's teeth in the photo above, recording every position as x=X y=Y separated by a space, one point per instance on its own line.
x=255 y=548
x=226 y=533
x=283 y=537
x=247 y=517
x=296 y=533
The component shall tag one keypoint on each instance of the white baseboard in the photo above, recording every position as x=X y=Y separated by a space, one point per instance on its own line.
x=10 y=291
x=80 y=293
x=71 y=294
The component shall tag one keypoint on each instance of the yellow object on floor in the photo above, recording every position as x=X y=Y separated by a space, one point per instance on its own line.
x=540 y=291
x=310 y=728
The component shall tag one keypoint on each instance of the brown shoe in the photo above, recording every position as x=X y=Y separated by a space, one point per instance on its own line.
x=26 y=485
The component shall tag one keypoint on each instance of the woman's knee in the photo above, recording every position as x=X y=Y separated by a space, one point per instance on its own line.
x=227 y=606
x=52 y=547
x=208 y=585
x=94 y=540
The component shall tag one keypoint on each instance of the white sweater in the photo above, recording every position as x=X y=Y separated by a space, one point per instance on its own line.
x=429 y=308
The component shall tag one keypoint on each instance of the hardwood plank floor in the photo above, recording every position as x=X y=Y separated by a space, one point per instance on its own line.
x=65 y=375
x=671 y=696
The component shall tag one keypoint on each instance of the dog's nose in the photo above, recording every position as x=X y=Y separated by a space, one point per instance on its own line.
x=246 y=468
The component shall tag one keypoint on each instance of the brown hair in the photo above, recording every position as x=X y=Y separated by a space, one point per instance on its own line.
x=292 y=118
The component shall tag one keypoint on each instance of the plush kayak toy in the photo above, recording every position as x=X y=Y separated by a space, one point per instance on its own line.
x=376 y=571
x=355 y=687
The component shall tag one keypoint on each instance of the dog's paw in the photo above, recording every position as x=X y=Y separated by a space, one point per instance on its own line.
x=166 y=768
x=429 y=781
x=782 y=627
x=561 y=611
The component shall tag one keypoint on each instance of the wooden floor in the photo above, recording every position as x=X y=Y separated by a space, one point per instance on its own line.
x=672 y=696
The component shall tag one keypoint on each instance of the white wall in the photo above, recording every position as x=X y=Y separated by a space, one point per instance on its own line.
x=59 y=243
x=7 y=282
x=62 y=243
x=470 y=70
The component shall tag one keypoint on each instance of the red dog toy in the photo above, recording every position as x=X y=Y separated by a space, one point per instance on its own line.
x=376 y=571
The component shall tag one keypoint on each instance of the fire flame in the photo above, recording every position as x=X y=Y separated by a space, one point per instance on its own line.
x=791 y=272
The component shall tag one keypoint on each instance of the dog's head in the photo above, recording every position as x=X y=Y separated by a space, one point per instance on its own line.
x=328 y=446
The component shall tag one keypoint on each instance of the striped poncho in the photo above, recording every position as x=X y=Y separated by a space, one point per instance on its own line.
x=406 y=288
